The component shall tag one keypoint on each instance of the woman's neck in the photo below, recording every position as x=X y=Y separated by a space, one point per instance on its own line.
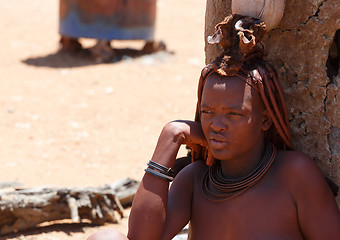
x=243 y=165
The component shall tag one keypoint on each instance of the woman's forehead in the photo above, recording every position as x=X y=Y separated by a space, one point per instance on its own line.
x=231 y=87
x=223 y=83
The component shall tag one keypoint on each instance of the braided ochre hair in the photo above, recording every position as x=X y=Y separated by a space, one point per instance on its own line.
x=241 y=57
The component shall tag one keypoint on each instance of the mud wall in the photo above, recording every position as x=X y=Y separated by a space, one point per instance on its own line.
x=300 y=50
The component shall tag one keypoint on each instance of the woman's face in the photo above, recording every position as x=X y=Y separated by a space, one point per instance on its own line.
x=232 y=117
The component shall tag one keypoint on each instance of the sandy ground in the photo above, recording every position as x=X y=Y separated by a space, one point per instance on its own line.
x=71 y=122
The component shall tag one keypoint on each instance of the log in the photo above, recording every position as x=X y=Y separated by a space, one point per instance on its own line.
x=23 y=209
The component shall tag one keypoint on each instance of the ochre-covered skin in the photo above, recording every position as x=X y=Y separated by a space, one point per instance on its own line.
x=236 y=119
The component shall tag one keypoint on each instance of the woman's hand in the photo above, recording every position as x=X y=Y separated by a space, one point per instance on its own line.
x=193 y=134
x=173 y=135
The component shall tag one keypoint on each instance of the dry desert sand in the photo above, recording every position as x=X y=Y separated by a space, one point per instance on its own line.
x=71 y=122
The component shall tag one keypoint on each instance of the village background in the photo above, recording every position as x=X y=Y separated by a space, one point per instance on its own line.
x=72 y=122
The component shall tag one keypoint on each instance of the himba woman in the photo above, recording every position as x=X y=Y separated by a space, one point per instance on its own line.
x=245 y=182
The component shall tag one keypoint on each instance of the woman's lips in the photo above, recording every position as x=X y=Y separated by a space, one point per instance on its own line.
x=218 y=143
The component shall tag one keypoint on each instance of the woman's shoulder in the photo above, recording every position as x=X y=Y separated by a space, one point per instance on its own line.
x=197 y=167
x=296 y=161
x=299 y=171
x=192 y=170
x=187 y=178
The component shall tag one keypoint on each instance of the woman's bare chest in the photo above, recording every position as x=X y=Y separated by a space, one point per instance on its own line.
x=262 y=212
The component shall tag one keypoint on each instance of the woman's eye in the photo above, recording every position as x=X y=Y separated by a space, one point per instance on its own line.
x=235 y=114
x=206 y=111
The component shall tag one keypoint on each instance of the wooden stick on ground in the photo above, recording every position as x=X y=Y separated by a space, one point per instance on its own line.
x=22 y=209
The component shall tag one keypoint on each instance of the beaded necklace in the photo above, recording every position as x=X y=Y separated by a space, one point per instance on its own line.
x=216 y=187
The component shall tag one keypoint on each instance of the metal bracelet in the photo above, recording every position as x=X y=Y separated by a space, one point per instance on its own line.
x=161 y=168
x=159 y=175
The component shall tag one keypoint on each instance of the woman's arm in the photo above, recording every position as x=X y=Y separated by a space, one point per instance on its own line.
x=149 y=209
x=318 y=214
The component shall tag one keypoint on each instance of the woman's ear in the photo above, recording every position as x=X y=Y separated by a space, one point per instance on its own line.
x=266 y=120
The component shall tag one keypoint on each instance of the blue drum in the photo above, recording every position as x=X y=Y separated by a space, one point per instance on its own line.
x=108 y=19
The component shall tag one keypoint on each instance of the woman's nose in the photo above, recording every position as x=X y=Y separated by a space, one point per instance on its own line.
x=218 y=124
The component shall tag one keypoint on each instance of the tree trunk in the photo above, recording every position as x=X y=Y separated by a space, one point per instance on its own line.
x=305 y=52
